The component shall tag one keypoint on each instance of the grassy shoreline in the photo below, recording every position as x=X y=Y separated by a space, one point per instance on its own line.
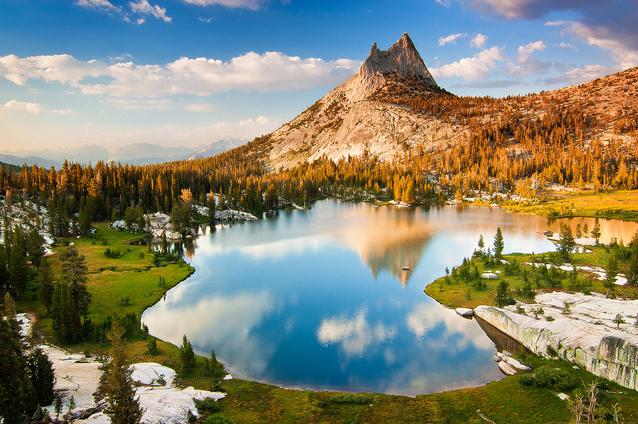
x=619 y=204
x=132 y=275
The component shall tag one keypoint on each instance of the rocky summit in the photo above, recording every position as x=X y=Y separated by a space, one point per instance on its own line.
x=355 y=117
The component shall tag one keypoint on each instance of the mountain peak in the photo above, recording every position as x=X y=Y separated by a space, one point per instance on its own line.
x=402 y=59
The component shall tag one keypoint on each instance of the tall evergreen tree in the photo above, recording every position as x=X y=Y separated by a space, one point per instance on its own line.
x=566 y=242
x=116 y=384
x=45 y=284
x=611 y=274
x=66 y=320
x=595 y=232
x=16 y=399
x=187 y=356
x=74 y=272
x=632 y=275
x=499 y=244
x=42 y=377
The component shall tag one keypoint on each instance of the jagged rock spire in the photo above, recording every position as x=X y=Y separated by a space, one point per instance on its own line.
x=402 y=59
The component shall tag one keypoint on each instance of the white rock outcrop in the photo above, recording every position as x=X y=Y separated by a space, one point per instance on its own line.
x=596 y=333
x=78 y=375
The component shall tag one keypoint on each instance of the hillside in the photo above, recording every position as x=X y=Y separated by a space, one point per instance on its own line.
x=393 y=106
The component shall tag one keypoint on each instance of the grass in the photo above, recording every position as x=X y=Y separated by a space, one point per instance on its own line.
x=133 y=276
x=619 y=204
x=454 y=293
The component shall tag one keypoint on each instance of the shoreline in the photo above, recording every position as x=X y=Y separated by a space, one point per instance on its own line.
x=238 y=388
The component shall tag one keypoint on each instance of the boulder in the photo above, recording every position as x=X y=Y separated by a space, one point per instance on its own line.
x=464 y=312
x=584 y=333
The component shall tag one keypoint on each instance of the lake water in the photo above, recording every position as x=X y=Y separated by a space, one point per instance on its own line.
x=318 y=299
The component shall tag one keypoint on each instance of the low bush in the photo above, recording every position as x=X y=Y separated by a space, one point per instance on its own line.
x=551 y=378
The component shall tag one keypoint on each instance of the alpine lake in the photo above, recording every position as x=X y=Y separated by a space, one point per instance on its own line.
x=332 y=298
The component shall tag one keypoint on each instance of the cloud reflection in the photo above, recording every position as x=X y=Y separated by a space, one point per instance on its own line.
x=354 y=334
x=458 y=333
x=223 y=323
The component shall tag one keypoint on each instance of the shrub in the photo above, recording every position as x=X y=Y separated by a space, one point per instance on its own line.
x=218 y=419
x=208 y=406
x=551 y=378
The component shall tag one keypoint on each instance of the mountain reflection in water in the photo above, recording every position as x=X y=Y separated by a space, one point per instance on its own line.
x=310 y=298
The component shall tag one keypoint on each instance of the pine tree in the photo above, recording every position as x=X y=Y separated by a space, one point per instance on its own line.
x=45 y=284
x=595 y=232
x=187 y=356
x=116 y=384
x=42 y=377
x=66 y=321
x=74 y=272
x=481 y=243
x=632 y=275
x=566 y=242
x=502 y=297
x=612 y=273
x=499 y=244
x=16 y=397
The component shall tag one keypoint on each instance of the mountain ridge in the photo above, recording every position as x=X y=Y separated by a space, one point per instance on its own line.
x=392 y=108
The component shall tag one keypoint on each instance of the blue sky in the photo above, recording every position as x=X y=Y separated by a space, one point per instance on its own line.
x=190 y=72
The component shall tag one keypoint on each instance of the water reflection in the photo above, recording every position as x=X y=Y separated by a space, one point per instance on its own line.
x=319 y=299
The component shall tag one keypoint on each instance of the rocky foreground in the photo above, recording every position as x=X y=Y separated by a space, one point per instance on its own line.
x=78 y=376
x=591 y=331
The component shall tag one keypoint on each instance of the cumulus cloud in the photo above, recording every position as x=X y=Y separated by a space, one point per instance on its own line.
x=134 y=13
x=269 y=71
x=471 y=68
x=244 y=4
x=354 y=334
x=33 y=108
x=527 y=63
x=28 y=107
x=609 y=25
x=447 y=39
x=624 y=51
x=525 y=52
x=580 y=74
x=104 y=5
x=516 y=9
x=478 y=40
x=143 y=7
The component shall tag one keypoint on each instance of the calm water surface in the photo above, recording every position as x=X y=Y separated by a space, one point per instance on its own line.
x=318 y=299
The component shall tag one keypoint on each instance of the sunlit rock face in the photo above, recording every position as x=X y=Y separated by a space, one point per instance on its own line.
x=587 y=332
x=355 y=118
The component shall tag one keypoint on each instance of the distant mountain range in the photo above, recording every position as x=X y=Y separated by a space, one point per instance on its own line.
x=134 y=154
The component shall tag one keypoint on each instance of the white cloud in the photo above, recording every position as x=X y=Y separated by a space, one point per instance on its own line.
x=33 y=108
x=244 y=4
x=580 y=74
x=140 y=103
x=626 y=55
x=565 y=45
x=517 y=9
x=206 y=20
x=105 y=5
x=28 y=107
x=471 y=68
x=478 y=40
x=527 y=63
x=447 y=39
x=143 y=7
x=269 y=71
x=355 y=334
x=525 y=52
